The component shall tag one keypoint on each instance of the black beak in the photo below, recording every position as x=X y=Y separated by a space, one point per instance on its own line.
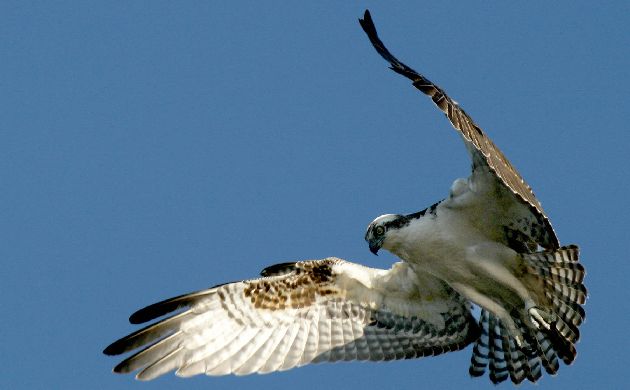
x=374 y=248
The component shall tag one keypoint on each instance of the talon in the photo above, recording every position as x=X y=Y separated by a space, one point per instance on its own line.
x=516 y=334
x=538 y=318
x=519 y=340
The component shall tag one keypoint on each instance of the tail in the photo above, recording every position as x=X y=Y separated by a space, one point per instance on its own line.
x=549 y=332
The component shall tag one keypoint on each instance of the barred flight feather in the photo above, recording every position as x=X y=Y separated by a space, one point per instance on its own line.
x=304 y=312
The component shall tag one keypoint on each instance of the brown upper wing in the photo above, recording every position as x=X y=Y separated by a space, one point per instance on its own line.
x=482 y=149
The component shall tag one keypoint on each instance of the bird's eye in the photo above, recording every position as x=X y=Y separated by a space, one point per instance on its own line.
x=379 y=231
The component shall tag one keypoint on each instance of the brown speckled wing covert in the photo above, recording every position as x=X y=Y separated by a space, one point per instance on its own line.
x=298 y=313
x=482 y=149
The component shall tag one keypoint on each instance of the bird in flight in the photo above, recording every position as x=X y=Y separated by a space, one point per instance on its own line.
x=488 y=243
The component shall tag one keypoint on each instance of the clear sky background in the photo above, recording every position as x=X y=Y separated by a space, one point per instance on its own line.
x=149 y=149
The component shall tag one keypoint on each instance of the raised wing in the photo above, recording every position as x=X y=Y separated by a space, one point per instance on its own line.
x=299 y=313
x=483 y=151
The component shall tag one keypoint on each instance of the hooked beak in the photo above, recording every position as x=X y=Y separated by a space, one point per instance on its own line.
x=374 y=247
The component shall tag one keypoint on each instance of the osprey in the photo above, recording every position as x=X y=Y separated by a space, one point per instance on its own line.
x=489 y=243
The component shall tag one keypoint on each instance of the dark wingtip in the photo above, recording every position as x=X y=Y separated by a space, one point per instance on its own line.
x=166 y=306
x=159 y=309
x=367 y=23
x=114 y=348
x=143 y=315
x=122 y=367
x=370 y=30
x=367 y=17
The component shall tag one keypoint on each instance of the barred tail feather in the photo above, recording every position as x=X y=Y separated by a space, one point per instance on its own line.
x=563 y=276
x=497 y=350
x=528 y=351
x=498 y=364
x=517 y=363
x=481 y=350
x=548 y=356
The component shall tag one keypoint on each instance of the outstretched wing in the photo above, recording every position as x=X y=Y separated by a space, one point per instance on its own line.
x=299 y=313
x=483 y=151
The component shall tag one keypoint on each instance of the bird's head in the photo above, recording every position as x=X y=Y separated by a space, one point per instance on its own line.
x=377 y=231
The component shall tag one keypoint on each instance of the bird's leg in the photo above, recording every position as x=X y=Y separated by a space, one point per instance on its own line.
x=493 y=307
x=538 y=317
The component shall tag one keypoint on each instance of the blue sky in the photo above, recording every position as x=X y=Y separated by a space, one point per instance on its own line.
x=149 y=149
